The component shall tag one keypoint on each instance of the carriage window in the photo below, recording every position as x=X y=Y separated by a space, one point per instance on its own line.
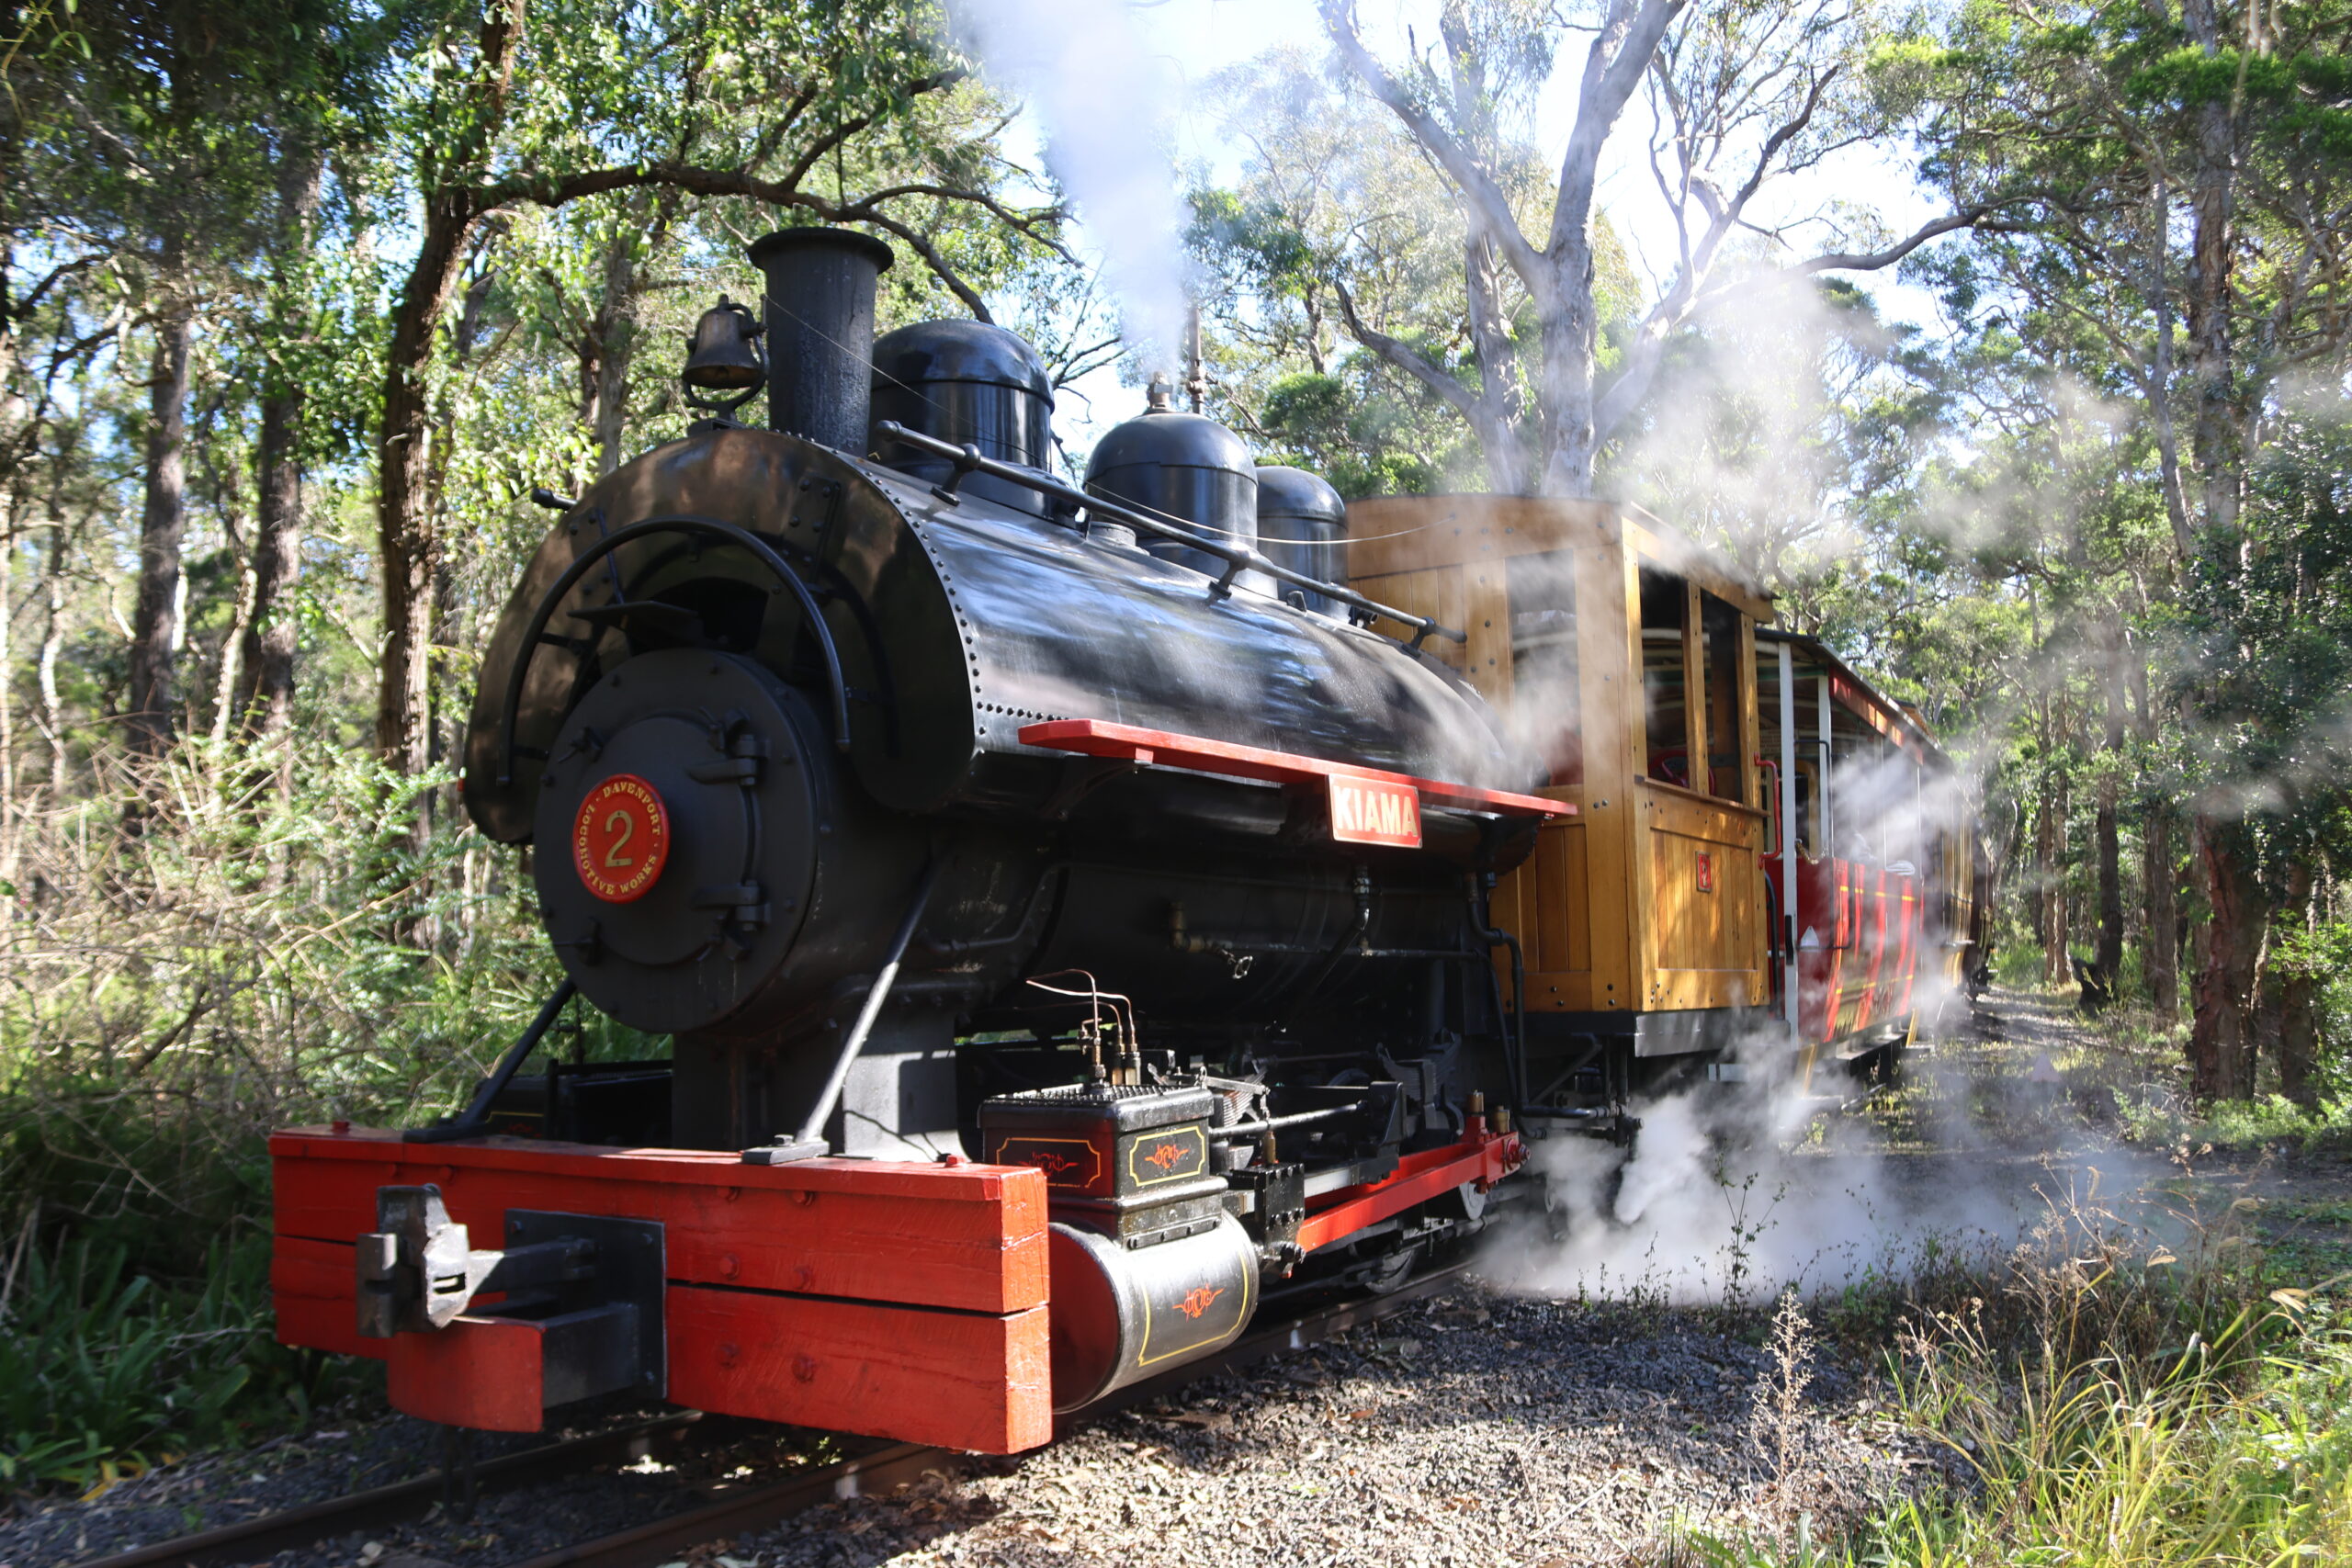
x=1726 y=776
x=1665 y=679
x=1546 y=712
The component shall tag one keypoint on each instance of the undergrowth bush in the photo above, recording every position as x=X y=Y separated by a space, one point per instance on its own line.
x=2273 y=1122
x=2129 y=1387
x=233 y=942
x=103 y=1370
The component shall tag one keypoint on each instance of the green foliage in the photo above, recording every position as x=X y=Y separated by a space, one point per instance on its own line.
x=103 y=1370
x=267 y=960
x=2122 y=1390
x=2182 y=1466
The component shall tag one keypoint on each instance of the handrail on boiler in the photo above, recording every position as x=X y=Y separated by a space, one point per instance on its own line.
x=1240 y=557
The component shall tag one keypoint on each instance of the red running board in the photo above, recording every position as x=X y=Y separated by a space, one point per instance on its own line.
x=1099 y=737
x=1481 y=1159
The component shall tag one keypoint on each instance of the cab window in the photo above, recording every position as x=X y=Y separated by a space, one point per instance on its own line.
x=1665 y=679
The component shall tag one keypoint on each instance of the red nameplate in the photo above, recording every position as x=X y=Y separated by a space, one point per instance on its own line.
x=1374 y=811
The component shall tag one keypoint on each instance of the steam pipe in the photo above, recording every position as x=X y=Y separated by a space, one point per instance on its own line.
x=1239 y=556
x=1296 y=1119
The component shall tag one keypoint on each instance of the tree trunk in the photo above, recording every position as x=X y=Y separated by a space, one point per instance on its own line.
x=8 y=844
x=52 y=644
x=2291 y=988
x=2156 y=869
x=266 y=697
x=407 y=545
x=1498 y=413
x=2213 y=432
x=2049 y=855
x=2161 y=967
x=154 y=628
x=2107 y=959
x=2106 y=963
x=231 y=677
x=611 y=337
x=1570 y=330
x=2221 y=1045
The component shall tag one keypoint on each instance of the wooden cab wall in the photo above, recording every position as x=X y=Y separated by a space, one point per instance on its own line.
x=1651 y=898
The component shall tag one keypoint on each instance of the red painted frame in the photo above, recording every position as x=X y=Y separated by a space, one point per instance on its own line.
x=1099 y=737
x=1481 y=1159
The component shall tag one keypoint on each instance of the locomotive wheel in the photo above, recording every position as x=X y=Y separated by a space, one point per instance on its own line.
x=1394 y=1272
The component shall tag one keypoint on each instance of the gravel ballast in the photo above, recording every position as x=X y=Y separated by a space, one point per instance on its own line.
x=1478 y=1430
x=1474 y=1428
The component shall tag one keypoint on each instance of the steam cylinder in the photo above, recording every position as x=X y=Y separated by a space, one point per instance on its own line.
x=1303 y=524
x=818 y=307
x=1183 y=468
x=1120 y=1315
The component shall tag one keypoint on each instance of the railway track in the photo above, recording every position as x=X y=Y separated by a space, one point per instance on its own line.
x=883 y=1467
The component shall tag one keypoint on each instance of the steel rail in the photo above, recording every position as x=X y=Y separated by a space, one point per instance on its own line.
x=887 y=1469
x=883 y=1468
x=257 y=1539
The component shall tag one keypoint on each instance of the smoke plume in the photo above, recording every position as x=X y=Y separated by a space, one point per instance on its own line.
x=1104 y=100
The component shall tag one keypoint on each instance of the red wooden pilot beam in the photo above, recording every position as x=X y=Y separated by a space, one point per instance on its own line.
x=1481 y=1158
x=902 y=1299
x=1099 y=737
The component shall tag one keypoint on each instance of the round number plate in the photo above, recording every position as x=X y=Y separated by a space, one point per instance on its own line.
x=620 y=840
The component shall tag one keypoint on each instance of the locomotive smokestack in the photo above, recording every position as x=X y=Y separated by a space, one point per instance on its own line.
x=819 y=307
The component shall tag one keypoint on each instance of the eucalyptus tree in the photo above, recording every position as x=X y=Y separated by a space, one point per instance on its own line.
x=1331 y=273
x=2178 y=183
x=154 y=156
x=1742 y=94
x=544 y=103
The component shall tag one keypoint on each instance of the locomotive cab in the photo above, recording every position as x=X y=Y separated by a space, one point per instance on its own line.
x=1657 y=938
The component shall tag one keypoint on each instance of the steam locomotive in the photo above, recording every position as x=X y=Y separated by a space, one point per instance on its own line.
x=1083 y=914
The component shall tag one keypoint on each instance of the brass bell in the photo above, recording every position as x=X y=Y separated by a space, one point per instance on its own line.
x=725 y=356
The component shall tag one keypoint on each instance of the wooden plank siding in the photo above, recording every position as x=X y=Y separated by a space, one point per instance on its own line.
x=1608 y=909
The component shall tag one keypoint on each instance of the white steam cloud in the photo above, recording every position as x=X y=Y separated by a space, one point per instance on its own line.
x=1708 y=1210
x=1105 y=101
x=1723 y=1203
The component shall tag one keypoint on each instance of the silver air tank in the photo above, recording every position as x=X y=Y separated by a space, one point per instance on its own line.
x=1187 y=470
x=1303 y=524
x=820 y=315
x=970 y=383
